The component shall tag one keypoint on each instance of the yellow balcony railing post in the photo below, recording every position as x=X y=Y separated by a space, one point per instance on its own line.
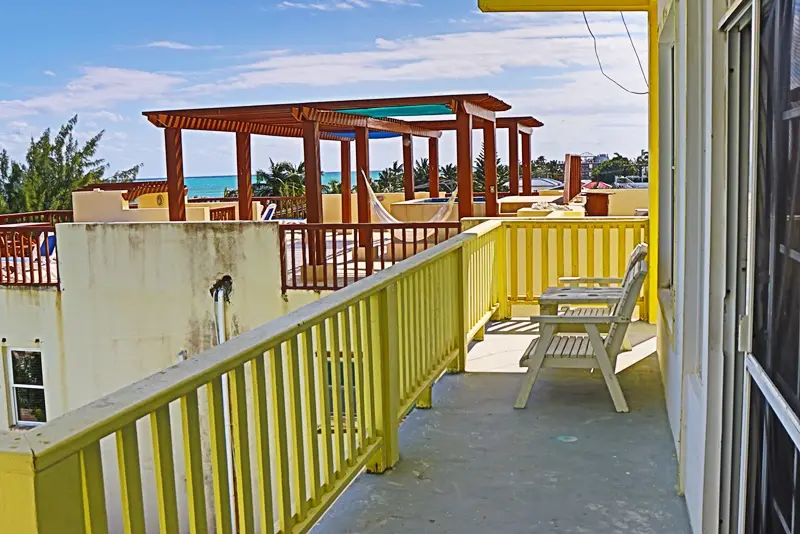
x=40 y=502
x=460 y=302
x=387 y=385
x=501 y=274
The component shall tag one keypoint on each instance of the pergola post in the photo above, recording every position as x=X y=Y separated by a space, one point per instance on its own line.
x=347 y=216
x=464 y=162
x=513 y=159
x=408 y=167
x=313 y=174
x=526 y=163
x=175 y=188
x=362 y=175
x=433 y=167
x=490 y=167
x=244 y=176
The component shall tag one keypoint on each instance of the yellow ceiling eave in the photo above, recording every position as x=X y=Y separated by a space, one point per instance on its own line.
x=563 y=5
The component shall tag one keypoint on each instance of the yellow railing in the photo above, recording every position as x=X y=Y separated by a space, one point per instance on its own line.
x=541 y=250
x=261 y=433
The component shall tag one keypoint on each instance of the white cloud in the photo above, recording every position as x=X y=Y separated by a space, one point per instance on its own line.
x=172 y=45
x=564 y=44
x=104 y=115
x=49 y=73
x=99 y=88
x=342 y=4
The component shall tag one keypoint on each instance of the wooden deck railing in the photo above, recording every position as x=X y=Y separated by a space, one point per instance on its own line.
x=383 y=342
x=50 y=217
x=332 y=256
x=287 y=207
x=227 y=213
x=28 y=255
x=541 y=250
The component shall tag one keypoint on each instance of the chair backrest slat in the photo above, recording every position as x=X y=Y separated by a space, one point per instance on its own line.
x=639 y=253
x=624 y=308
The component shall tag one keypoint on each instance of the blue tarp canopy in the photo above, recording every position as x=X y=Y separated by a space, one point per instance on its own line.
x=401 y=111
x=372 y=135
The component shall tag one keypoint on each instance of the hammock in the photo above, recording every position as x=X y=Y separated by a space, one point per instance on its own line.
x=409 y=235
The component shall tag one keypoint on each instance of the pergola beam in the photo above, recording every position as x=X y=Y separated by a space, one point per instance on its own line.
x=219 y=125
x=478 y=111
x=348 y=120
x=522 y=124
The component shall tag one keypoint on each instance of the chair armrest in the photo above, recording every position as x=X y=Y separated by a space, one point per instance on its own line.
x=561 y=319
x=575 y=280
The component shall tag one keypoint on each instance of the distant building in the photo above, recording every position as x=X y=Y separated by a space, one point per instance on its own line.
x=589 y=162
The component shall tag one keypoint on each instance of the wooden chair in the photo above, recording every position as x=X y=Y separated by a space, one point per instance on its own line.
x=638 y=253
x=557 y=349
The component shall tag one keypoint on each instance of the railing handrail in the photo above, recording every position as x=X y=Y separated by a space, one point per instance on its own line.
x=4 y=218
x=236 y=199
x=377 y=226
x=76 y=429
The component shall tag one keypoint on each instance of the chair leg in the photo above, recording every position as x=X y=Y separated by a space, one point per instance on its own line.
x=534 y=364
x=604 y=363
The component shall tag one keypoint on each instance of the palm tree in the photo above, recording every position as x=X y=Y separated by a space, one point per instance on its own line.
x=448 y=178
x=333 y=187
x=283 y=180
x=390 y=179
x=421 y=174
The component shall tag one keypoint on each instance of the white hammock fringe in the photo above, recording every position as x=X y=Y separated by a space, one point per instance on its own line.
x=408 y=235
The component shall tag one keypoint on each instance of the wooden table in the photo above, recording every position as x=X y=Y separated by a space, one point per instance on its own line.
x=553 y=297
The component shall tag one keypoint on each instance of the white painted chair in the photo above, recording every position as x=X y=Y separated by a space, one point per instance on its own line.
x=638 y=253
x=557 y=349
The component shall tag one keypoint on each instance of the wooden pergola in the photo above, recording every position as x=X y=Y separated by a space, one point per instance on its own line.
x=343 y=121
x=518 y=127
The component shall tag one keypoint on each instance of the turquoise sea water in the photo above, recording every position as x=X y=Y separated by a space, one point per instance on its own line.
x=214 y=186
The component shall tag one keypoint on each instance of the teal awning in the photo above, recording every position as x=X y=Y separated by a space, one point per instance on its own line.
x=401 y=111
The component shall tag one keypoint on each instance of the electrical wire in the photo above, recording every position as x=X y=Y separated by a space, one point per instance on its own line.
x=638 y=60
x=600 y=63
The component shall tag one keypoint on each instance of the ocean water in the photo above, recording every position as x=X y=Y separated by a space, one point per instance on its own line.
x=214 y=186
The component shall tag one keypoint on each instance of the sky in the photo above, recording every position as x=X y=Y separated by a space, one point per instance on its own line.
x=109 y=61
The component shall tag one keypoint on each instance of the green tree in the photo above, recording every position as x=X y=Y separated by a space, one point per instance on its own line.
x=543 y=168
x=54 y=166
x=479 y=173
x=282 y=180
x=617 y=166
x=390 y=179
x=448 y=178
x=421 y=174
x=334 y=186
x=643 y=163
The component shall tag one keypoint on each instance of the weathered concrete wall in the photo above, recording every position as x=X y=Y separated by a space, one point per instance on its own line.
x=30 y=318
x=137 y=295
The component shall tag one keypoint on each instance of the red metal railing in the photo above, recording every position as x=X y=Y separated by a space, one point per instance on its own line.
x=227 y=213
x=28 y=255
x=331 y=256
x=50 y=217
x=287 y=207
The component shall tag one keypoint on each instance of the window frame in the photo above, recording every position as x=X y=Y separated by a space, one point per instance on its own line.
x=12 y=387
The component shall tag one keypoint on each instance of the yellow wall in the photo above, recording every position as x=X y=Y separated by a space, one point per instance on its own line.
x=332 y=205
x=624 y=202
x=108 y=206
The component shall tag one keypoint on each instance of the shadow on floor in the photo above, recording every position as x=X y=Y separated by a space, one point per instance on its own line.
x=566 y=464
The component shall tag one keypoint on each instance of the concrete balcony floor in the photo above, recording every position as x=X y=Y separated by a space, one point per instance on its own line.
x=567 y=464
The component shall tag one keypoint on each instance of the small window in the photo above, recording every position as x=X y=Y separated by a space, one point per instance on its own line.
x=26 y=387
